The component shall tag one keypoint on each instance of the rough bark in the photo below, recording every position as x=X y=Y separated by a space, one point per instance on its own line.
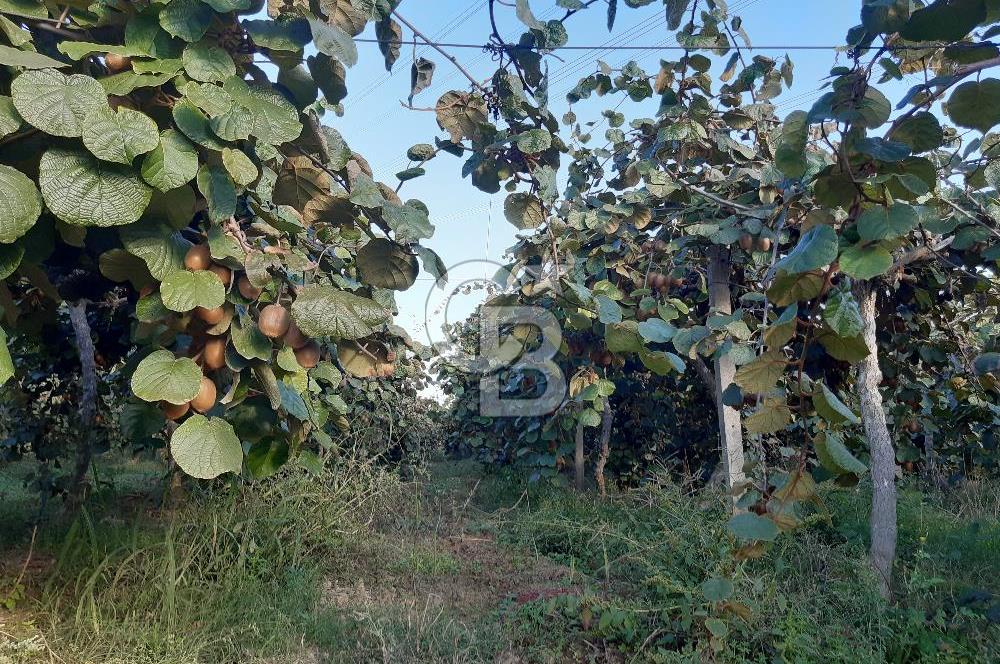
x=88 y=399
x=730 y=425
x=706 y=376
x=607 y=417
x=883 y=457
x=932 y=472
x=578 y=458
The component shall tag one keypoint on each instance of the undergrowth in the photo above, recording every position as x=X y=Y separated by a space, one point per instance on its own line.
x=355 y=565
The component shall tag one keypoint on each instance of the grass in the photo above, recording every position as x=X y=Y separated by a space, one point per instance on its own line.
x=356 y=565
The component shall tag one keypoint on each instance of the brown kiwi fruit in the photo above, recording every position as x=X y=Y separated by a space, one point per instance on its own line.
x=198 y=258
x=146 y=290
x=763 y=244
x=746 y=242
x=659 y=246
x=224 y=274
x=173 y=411
x=211 y=316
x=390 y=356
x=214 y=353
x=386 y=369
x=247 y=289
x=274 y=321
x=117 y=63
x=206 y=396
x=294 y=337
x=913 y=426
x=308 y=355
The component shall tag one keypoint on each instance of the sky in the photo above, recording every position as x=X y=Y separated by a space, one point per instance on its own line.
x=471 y=233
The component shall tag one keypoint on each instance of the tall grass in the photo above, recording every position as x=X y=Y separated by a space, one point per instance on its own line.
x=228 y=573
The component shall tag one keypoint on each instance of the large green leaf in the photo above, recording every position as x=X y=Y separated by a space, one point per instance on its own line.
x=183 y=291
x=816 y=248
x=385 y=264
x=195 y=125
x=187 y=19
x=120 y=266
x=326 y=311
x=208 y=62
x=55 y=103
x=790 y=155
x=6 y=362
x=20 y=204
x=750 y=526
x=267 y=456
x=330 y=39
x=762 y=374
x=239 y=166
x=944 y=20
x=772 y=416
x=119 y=136
x=10 y=259
x=249 y=341
x=160 y=247
x=975 y=104
x=162 y=377
x=83 y=191
x=408 y=222
x=834 y=455
x=842 y=314
x=13 y=57
x=921 y=131
x=172 y=163
x=524 y=210
x=887 y=223
x=206 y=447
x=260 y=111
x=218 y=189
x=10 y=119
x=865 y=262
x=831 y=408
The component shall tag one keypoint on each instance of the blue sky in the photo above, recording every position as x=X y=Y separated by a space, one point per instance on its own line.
x=470 y=224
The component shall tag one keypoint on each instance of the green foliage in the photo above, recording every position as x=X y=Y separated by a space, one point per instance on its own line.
x=170 y=133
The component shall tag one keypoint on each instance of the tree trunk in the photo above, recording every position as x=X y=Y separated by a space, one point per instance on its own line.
x=883 y=457
x=607 y=417
x=88 y=400
x=730 y=426
x=578 y=459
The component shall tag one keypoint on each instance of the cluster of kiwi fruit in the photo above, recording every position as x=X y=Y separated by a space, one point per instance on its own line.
x=274 y=322
x=654 y=246
x=754 y=243
x=662 y=283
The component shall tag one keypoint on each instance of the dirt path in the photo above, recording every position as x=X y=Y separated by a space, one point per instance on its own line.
x=436 y=571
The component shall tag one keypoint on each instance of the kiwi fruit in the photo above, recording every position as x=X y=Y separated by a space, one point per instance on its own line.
x=763 y=244
x=117 y=63
x=274 y=321
x=294 y=337
x=173 y=411
x=206 y=396
x=746 y=242
x=224 y=274
x=308 y=355
x=214 y=353
x=198 y=258
x=211 y=316
x=247 y=289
